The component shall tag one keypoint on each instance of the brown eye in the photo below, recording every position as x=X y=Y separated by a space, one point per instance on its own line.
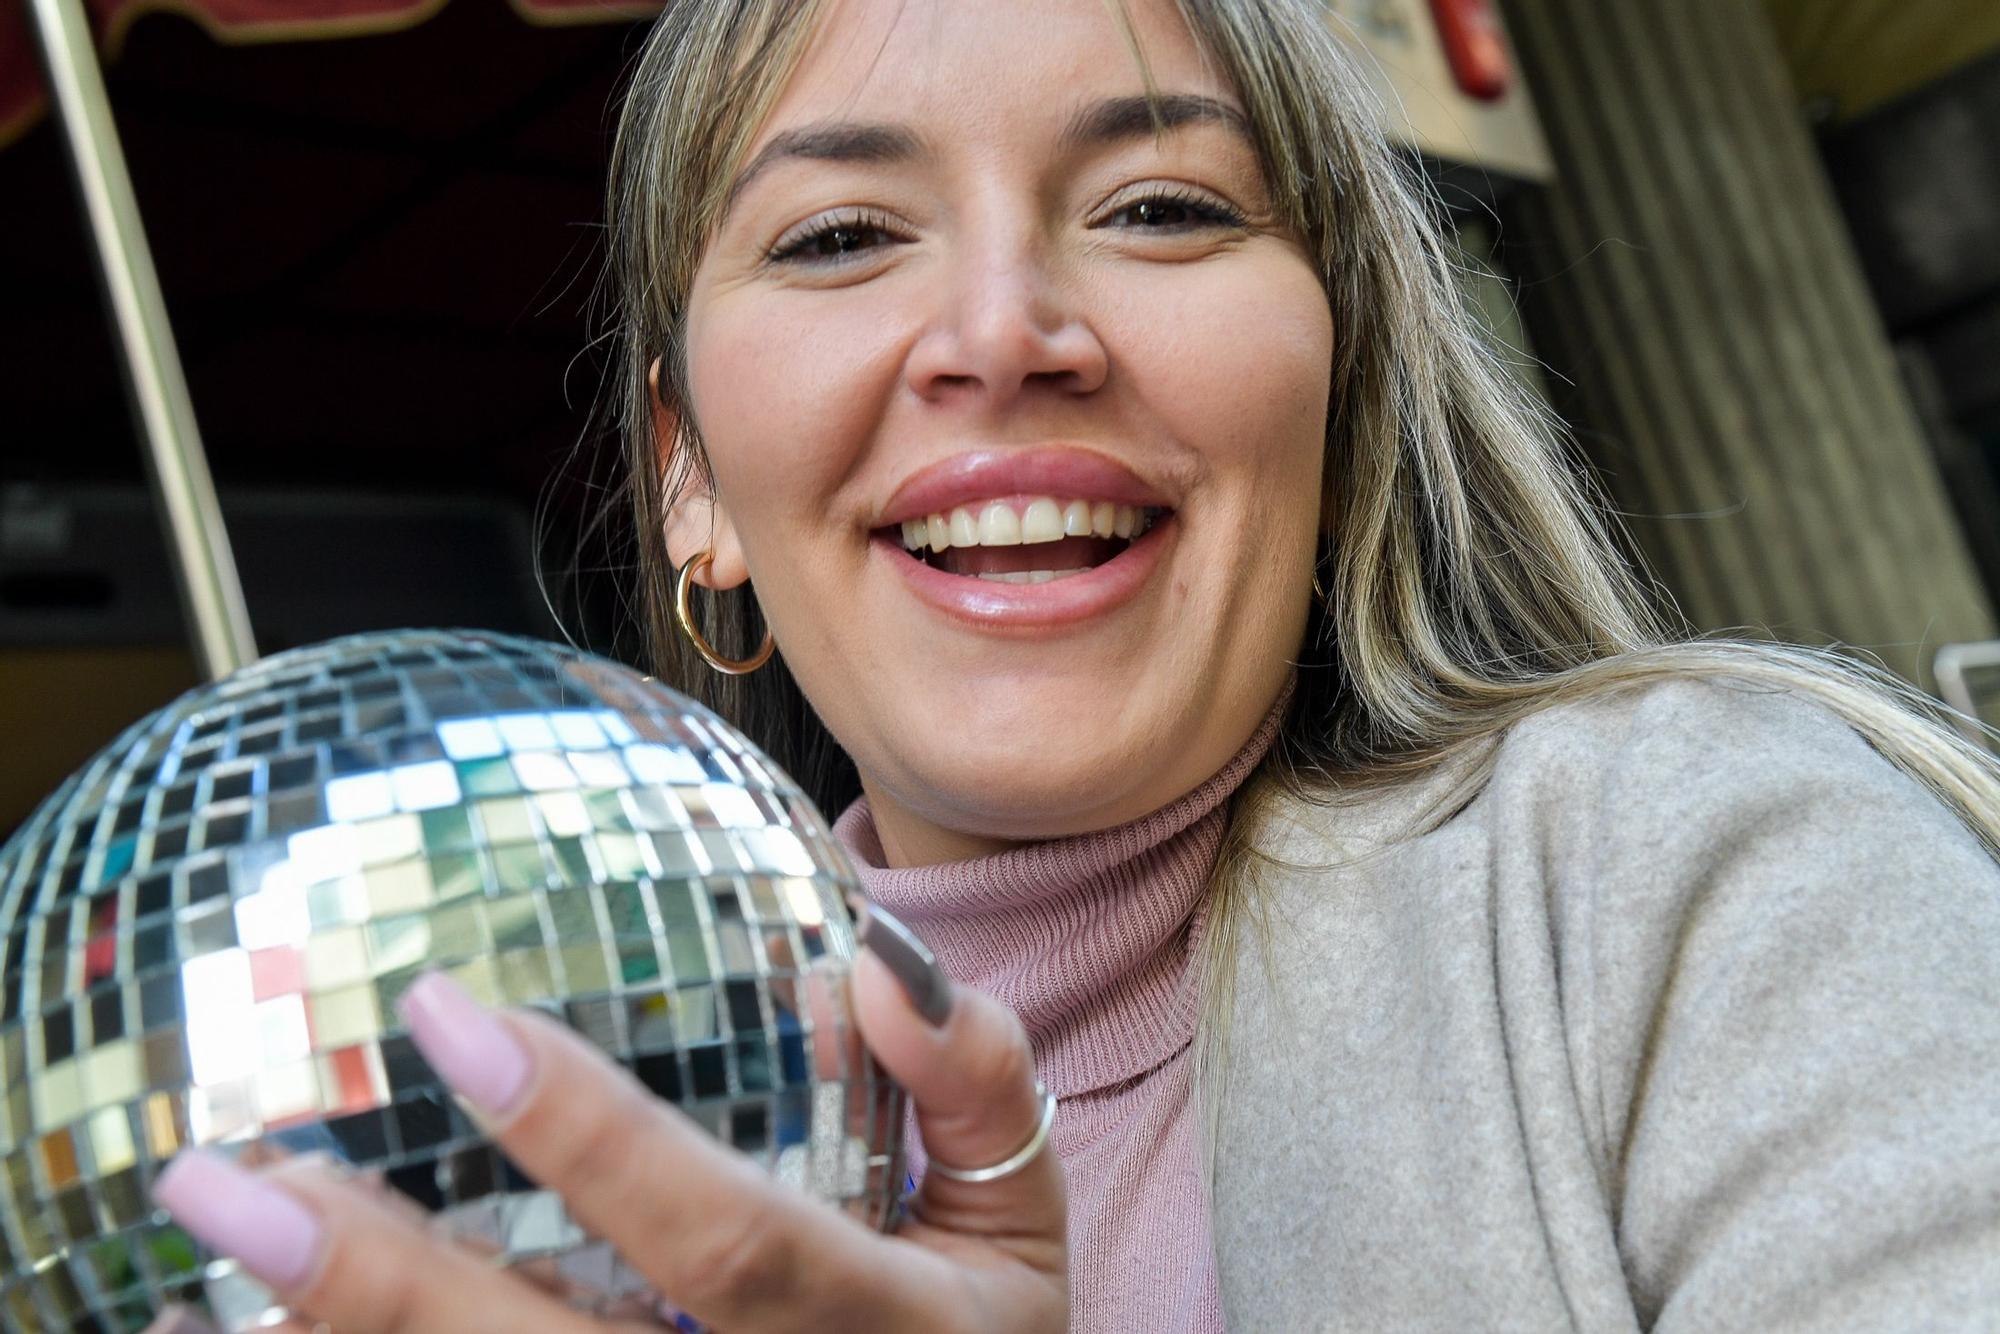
x=1159 y=213
x=836 y=241
x=833 y=242
x=1177 y=211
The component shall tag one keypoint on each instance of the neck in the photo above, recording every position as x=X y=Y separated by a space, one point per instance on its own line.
x=908 y=835
x=907 y=840
x=1091 y=940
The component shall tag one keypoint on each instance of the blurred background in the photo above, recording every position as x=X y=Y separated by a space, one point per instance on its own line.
x=1748 y=249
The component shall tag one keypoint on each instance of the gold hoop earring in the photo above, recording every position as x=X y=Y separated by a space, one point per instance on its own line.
x=685 y=615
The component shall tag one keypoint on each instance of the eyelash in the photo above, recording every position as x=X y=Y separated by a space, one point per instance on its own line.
x=1207 y=212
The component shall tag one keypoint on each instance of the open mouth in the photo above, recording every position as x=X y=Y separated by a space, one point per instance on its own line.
x=1025 y=540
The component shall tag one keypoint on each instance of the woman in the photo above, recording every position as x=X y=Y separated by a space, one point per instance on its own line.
x=1219 y=668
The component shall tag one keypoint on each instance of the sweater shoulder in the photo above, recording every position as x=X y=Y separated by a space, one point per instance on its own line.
x=1682 y=727
x=1687 y=975
x=1700 y=765
x=1673 y=759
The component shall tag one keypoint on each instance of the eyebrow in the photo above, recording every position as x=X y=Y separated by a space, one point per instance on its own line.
x=1109 y=121
x=845 y=141
x=1120 y=119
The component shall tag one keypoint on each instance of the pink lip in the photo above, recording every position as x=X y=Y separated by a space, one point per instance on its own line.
x=1064 y=472
x=991 y=605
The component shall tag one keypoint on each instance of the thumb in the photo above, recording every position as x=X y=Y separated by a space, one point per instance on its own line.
x=965 y=1061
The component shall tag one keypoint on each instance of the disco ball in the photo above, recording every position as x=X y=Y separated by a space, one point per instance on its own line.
x=204 y=932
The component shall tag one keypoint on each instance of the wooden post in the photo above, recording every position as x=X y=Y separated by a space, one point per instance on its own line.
x=1690 y=276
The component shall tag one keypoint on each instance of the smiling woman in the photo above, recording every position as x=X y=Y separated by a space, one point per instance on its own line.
x=1278 y=803
x=992 y=311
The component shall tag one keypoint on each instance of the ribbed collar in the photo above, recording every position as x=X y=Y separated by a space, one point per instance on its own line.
x=1092 y=940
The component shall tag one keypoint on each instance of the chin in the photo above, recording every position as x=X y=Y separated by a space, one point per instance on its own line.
x=1068 y=743
x=1038 y=793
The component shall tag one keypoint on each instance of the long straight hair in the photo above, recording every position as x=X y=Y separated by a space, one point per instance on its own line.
x=1472 y=574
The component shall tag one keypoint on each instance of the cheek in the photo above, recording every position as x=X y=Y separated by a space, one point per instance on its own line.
x=1239 y=365
x=1239 y=358
x=785 y=400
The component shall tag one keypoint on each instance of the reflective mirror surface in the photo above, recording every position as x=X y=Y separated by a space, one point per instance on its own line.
x=203 y=935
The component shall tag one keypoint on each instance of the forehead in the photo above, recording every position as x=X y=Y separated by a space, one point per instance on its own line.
x=976 y=66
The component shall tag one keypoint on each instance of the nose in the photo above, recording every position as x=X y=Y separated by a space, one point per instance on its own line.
x=1005 y=327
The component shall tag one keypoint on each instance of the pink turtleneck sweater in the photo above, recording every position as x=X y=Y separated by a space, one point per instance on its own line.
x=1093 y=941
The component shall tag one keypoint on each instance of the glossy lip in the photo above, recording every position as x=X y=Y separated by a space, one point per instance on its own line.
x=991 y=605
x=1065 y=472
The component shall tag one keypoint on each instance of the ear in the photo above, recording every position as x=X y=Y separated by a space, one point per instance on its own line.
x=696 y=520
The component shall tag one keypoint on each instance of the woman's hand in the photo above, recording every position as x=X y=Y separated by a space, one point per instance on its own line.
x=716 y=1235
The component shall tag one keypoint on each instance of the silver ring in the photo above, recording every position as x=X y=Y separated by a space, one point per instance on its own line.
x=1015 y=1161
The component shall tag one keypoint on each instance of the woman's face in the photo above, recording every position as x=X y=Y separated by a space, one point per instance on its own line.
x=963 y=298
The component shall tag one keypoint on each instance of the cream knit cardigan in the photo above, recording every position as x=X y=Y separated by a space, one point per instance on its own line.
x=1689 y=1021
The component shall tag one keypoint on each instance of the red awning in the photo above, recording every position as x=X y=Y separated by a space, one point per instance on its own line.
x=22 y=94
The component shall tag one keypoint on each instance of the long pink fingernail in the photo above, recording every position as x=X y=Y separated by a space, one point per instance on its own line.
x=477 y=1054
x=238 y=1213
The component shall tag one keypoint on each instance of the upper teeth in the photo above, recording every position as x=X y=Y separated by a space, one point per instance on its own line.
x=996 y=523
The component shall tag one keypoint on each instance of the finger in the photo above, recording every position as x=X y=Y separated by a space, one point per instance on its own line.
x=972 y=1081
x=542 y=1271
x=337 y=1254
x=709 y=1228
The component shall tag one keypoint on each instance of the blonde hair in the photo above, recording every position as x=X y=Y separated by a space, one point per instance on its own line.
x=1472 y=577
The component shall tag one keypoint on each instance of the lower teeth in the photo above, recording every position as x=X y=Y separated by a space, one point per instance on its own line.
x=1028 y=576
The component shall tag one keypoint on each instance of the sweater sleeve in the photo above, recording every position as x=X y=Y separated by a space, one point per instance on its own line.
x=1794 y=1023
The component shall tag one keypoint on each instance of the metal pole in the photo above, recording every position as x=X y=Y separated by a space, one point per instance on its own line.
x=211 y=595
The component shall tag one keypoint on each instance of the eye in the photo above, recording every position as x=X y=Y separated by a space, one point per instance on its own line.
x=1177 y=210
x=832 y=241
